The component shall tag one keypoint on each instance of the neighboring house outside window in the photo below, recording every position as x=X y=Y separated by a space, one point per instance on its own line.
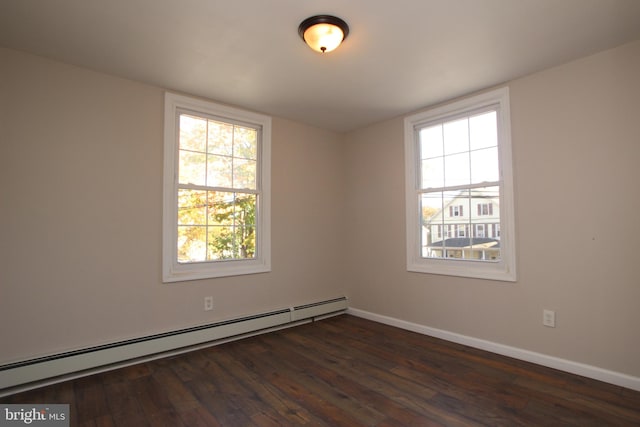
x=216 y=190
x=458 y=178
x=485 y=209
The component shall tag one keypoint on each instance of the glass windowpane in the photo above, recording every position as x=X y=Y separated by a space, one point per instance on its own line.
x=245 y=209
x=220 y=211
x=483 y=131
x=431 y=142
x=192 y=168
x=432 y=173
x=193 y=133
x=246 y=242
x=485 y=216
x=244 y=174
x=220 y=138
x=245 y=222
x=219 y=169
x=456 y=170
x=484 y=165
x=432 y=220
x=245 y=143
x=456 y=136
x=192 y=243
x=220 y=245
x=192 y=207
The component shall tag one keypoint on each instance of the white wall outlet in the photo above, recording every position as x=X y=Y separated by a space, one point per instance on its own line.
x=549 y=318
x=208 y=303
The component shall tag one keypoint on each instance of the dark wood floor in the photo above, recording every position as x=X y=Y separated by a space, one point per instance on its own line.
x=343 y=371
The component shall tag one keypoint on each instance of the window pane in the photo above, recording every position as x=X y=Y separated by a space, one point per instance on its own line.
x=245 y=209
x=484 y=165
x=220 y=245
x=245 y=143
x=431 y=142
x=485 y=215
x=456 y=136
x=219 y=169
x=245 y=222
x=432 y=225
x=232 y=222
x=220 y=138
x=458 y=217
x=456 y=170
x=483 y=131
x=192 y=243
x=244 y=174
x=432 y=173
x=193 y=132
x=192 y=167
x=220 y=208
x=192 y=207
x=246 y=242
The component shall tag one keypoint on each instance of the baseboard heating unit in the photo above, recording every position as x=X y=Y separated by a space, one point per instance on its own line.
x=108 y=356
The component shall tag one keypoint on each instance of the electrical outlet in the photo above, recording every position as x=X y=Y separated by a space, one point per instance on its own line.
x=208 y=303
x=549 y=318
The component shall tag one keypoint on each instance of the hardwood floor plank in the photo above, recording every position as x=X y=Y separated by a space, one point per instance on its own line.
x=291 y=412
x=305 y=391
x=243 y=396
x=383 y=410
x=334 y=388
x=181 y=398
x=364 y=369
x=89 y=395
x=103 y=421
x=572 y=402
x=122 y=402
x=199 y=417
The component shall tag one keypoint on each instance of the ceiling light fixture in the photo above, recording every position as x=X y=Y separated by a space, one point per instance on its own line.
x=323 y=33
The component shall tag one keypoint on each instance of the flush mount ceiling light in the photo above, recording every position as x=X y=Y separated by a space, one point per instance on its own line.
x=323 y=33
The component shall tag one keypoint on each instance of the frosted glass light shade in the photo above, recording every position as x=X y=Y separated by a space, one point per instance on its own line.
x=323 y=33
x=323 y=37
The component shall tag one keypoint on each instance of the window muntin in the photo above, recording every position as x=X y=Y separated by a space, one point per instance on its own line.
x=216 y=208
x=458 y=160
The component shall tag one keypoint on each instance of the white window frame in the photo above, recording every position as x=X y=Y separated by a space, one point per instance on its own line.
x=172 y=270
x=505 y=268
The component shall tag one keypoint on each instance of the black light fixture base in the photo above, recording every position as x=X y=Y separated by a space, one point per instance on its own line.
x=323 y=19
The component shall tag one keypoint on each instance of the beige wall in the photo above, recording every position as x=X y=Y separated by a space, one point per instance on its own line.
x=80 y=218
x=576 y=148
x=80 y=215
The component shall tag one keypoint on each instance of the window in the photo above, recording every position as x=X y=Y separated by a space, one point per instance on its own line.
x=216 y=190
x=458 y=177
x=456 y=210
x=485 y=209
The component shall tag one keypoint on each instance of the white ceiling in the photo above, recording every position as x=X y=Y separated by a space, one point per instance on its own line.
x=401 y=55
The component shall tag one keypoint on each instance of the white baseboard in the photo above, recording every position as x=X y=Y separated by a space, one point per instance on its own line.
x=588 y=371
